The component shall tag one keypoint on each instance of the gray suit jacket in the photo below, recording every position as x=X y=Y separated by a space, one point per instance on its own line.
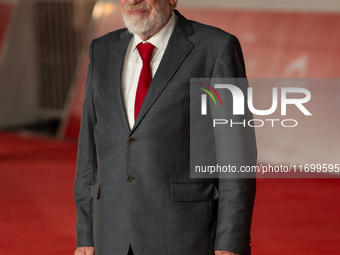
x=133 y=187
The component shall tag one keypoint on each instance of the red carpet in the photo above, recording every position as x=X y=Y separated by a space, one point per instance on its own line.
x=36 y=185
x=293 y=216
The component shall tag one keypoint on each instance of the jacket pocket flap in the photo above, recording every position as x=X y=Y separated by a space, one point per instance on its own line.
x=95 y=188
x=193 y=191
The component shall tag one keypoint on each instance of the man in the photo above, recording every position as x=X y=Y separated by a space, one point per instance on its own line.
x=133 y=190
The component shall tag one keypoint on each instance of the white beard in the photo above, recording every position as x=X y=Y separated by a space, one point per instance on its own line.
x=147 y=25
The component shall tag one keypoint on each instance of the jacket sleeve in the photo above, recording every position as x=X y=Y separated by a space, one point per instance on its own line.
x=235 y=146
x=86 y=163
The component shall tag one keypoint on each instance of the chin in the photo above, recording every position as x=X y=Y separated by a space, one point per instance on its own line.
x=141 y=24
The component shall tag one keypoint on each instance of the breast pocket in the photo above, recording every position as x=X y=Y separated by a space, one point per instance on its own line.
x=178 y=86
x=186 y=192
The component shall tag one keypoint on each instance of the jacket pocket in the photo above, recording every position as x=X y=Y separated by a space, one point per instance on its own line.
x=95 y=190
x=193 y=192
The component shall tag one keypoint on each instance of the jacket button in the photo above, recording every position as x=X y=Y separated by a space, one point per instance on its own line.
x=131 y=140
x=129 y=178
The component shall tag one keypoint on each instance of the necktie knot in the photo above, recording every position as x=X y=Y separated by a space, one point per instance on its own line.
x=145 y=51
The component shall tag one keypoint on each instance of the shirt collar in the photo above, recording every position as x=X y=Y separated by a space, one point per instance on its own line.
x=161 y=39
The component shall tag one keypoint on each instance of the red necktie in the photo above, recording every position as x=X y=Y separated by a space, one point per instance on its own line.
x=145 y=51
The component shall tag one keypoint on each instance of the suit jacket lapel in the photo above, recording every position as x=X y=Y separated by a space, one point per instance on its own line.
x=117 y=55
x=177 y=50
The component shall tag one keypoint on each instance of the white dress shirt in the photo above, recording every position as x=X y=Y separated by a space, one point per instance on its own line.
x=133 y=64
